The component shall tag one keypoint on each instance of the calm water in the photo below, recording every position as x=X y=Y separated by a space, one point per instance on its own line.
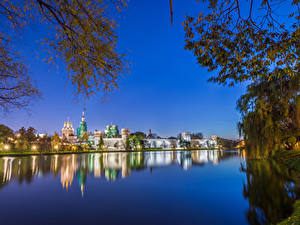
x=198 y=187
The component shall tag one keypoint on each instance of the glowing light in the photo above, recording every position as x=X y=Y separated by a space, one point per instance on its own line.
x=34 y=147
x=6 y=147
x=56 y=147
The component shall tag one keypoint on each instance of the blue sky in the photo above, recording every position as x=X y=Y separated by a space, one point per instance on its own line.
x=166 y=91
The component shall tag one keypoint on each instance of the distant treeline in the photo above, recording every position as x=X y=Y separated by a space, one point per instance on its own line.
x=227 y=144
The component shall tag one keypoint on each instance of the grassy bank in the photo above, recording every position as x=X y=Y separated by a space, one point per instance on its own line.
x=26 y=153
x=291 y=158
x=294 y=219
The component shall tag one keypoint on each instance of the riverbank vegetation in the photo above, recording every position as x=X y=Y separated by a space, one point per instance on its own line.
x=291 y=159
x=294 y=219
x=227 y=144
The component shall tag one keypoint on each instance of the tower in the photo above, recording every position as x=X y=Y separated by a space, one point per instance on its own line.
x=111 y=131
x=125 y=133
x=82 y=126
x=67 y=130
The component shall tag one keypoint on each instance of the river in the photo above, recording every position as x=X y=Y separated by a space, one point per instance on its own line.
x=159 y=187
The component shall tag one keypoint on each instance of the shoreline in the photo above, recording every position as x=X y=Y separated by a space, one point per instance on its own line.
x=20 y=154
x=291 y=159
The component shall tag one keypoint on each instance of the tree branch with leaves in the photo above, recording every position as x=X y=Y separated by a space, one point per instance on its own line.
x=82 y=33
x=254 y=45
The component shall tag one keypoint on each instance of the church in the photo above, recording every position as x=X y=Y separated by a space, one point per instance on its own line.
x=113 y=140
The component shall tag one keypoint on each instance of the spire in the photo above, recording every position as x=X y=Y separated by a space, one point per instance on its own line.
x=83 y=118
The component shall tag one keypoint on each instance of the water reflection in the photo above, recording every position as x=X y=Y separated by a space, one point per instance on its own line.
x=268 y=187
x=270 y=191
x=110 y=166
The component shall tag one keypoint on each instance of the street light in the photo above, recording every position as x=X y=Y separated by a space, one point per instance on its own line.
x=34 y=147
x=6 y=147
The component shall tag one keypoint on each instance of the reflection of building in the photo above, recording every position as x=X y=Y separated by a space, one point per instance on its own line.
x=81 y=176
x=202 y=157
x=109 y=165
x=68 y=169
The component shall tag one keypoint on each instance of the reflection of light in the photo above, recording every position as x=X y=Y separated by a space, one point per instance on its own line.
x=243 y=154
x=97 y=166
x=110 y=165
x=7 y=168
x=6 y=147
x=34 y=147
x=33 y=163
x=55 y=161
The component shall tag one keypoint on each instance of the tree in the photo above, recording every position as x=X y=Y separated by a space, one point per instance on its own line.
x=44 y=143
x=241 y=45
x=146 y=143
x=140 y=134
x=25 y=139
x=185 y=144
x=16 y=87
x=197 y=136
x=260 y=48
x=5 y=133
x=101 y=143
x=136 y=142
x=271 y=115
x=128 y=144
x=30 y=134
x=227 y=144
x=82 y=34
x=22 y=131
x=84 y=139
x=56 y=142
